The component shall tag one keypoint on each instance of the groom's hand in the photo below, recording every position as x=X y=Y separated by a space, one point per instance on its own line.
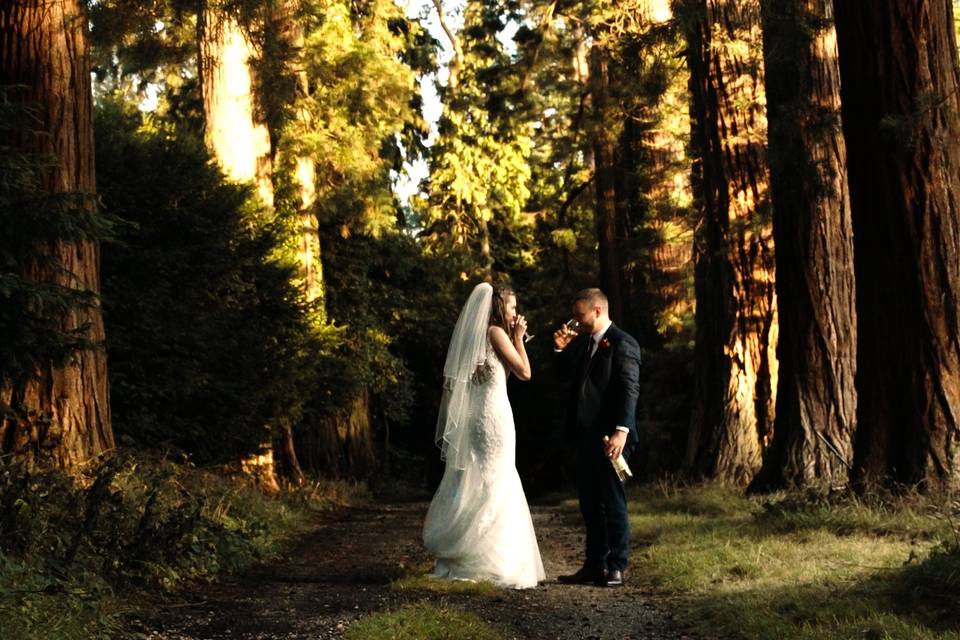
x=562 y=337
x=615 y=444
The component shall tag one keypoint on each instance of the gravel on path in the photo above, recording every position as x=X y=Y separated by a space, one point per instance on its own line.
x=341 y=570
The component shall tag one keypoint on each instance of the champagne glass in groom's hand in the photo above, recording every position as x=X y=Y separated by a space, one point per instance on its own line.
x=565 y=334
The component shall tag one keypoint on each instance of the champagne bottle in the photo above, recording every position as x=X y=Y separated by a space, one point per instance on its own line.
x=620 y=465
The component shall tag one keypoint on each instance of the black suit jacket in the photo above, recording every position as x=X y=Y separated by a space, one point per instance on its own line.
x=604 y=390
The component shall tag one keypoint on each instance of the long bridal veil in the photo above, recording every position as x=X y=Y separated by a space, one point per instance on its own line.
x=466 y=352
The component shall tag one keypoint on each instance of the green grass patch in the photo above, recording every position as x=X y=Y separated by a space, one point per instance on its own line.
x=789 y=566
x=76 y=552
x=422 y=621
x=417 y=578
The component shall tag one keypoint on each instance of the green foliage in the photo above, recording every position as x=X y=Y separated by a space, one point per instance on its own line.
x=69 y=547
x=399 y=306
x=142 y=49
x=358 y=120
x=209 y=342
x=33 y=222
x=479 y=181
x=422 y=621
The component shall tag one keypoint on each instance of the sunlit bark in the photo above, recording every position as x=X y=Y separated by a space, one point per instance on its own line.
x=735 y=366
x=304 y=166
x=233 y=128
x=64 y=413
x=816 y=397
x=901 y=120
x=240 y=142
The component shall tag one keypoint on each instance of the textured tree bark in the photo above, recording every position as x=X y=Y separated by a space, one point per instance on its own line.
x=65 y=412
x=736 y=317
x=604 y=151
x=901 y=120
x=288 y=455
x=304 y=166
x=342 y=445
x=234 y=130
x=240 y=141
x=813 y=232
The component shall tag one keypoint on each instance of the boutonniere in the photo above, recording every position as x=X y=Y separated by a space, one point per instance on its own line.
x=604 y=344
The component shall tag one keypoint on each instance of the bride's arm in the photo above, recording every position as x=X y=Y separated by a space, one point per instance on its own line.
x=513 y=352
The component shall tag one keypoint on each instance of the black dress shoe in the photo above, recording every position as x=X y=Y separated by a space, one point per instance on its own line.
x=614 y=578
x=585 y=576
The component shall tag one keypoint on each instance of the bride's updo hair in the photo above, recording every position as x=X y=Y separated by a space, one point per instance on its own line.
x=498 y=307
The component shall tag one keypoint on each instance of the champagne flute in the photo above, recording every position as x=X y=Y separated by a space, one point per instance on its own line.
x=527 y=337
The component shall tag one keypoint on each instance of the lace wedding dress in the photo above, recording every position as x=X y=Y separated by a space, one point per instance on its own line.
x=479 y=526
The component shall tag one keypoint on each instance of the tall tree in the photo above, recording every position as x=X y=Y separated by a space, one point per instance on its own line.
x=736 y=323
x=606 y=176
x=63 y=411
x=237 y=135
x=479 y=174
x=816 y=397
x=234 y=125
x=901 y=118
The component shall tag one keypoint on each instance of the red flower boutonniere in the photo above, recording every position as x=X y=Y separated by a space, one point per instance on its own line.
x=604 y=344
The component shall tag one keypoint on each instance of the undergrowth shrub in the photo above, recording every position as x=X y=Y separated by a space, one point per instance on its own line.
x=128 y=523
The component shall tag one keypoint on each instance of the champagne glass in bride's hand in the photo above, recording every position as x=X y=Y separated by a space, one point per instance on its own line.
x=526 y=336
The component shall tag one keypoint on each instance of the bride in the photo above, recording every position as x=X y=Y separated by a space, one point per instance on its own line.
x=479 y=526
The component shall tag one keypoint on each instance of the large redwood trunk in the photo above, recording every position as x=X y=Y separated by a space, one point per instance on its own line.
x=239 y=139
x=64 y=413
x=234 y=129
x=734 y=394
x=605 y=177
x=901 y=119
x=816 y=397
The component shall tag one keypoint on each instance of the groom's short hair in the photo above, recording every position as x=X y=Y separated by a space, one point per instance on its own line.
x=593 y=297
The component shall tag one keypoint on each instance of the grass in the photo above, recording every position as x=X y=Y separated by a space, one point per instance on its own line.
x=75 y=556
x=422 y=621
x=418 y=580
x=789 y=566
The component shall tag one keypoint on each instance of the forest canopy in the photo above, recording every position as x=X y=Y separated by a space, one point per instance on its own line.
x=206 y=251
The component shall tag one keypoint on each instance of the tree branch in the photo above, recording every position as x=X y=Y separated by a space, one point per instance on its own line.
x=454 y=42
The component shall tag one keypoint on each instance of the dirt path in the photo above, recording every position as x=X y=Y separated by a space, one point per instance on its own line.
x=342 y=569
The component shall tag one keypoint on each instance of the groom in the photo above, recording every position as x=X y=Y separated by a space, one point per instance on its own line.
x=602 y=364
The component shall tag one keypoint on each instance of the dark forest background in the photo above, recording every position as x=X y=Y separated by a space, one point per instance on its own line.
x=204 y=252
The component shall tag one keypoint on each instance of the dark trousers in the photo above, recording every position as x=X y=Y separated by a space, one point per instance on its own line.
x=603 y=504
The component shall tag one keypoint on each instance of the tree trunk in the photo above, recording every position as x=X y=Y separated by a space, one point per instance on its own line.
x=311 y=266
x=234 y=131
x=240 y=142
x=288 y=459
x=64 y=412
x=736 y=318
x=901 y=118
x=304 y=169
x=355 y=430
x=816 y=398
x=604 y=151
x=342 y=445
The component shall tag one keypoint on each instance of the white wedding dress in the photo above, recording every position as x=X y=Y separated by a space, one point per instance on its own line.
x=479 y=526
